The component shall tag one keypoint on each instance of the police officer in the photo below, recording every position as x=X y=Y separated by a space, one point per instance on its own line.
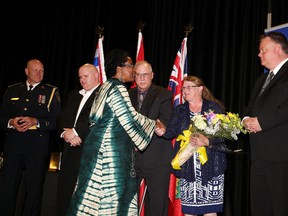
x=28 y=113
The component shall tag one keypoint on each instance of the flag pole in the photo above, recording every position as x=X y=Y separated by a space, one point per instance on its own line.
x=140 y=57
x=99 y=55
x=141 y=211
x=179 y=71
x=140 y=46
x=188 y=29
x=99 y=31
x=140 y=26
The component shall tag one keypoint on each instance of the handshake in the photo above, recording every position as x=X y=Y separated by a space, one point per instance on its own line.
x=160 y=129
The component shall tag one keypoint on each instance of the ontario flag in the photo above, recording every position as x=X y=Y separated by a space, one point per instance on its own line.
x=139 y=52
x=179 y=71
x=99 y=60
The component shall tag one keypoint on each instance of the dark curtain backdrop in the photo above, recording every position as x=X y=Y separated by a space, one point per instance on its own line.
x=222 y=50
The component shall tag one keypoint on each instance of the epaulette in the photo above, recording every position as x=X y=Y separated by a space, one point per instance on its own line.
x=54 y=91
x=17 y=84
x=51 y=85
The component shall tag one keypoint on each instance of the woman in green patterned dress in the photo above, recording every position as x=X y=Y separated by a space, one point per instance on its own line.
x=107 y=179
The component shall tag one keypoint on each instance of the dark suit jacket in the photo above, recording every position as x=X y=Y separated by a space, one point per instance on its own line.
x=157 y=104
x=271 y=108
x=68 y=115
x=42 y=103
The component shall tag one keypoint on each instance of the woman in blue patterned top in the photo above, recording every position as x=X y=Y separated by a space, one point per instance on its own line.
x=201 y=186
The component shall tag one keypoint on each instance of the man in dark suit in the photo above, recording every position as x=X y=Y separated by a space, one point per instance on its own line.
x=153 y=164
x=28 y=113
x=267 y=120
x=73 y=127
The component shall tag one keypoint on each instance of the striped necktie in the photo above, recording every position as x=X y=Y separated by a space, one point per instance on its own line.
x=269 y=78
x=140 y=100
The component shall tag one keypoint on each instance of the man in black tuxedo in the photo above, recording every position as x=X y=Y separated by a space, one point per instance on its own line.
x=267 y=120
x=153 y=164
x=73 y=124
x=28 y=113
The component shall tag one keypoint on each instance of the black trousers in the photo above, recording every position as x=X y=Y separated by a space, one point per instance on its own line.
x=35 y=166
x=269 y=188
x=157 y=181
x=67 y=177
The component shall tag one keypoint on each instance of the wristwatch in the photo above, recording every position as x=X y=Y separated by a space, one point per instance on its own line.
x=37 y=123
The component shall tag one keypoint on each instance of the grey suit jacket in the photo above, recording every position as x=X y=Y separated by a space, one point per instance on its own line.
x=157 y=104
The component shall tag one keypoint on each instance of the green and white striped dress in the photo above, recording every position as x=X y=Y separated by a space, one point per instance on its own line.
x=106 y=181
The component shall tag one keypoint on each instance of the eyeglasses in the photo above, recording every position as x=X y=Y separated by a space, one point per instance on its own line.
x=127 y=65
x=144 y=75
x=188 y=87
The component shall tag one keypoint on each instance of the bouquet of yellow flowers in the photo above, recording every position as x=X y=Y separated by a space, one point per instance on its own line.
x=211 y=125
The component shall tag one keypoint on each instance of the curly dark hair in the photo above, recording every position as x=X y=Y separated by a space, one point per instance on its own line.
x=114 y=59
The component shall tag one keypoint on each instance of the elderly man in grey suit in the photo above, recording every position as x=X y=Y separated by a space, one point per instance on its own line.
x=153 y=164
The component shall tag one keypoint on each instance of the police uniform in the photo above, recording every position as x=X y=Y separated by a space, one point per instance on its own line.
x=27 y=150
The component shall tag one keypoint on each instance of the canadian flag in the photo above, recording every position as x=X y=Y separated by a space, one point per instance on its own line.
x=140 y=48
x=139 y=53
x=143 y=187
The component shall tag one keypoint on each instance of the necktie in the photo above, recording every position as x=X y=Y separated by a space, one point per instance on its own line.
x=140 y=100
x=269 y=78
x=30 y=87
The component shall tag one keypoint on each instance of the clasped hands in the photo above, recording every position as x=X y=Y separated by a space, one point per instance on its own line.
x=70 y=137
x=251 y=124
x=22 y=123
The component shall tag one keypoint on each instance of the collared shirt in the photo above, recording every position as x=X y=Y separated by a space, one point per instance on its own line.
x=86 y=95
x=276 y=69
x=28 y=84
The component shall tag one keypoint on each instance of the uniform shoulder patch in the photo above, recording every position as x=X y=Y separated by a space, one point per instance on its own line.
x=51 y=85
x=58 y=96
x=16 y=84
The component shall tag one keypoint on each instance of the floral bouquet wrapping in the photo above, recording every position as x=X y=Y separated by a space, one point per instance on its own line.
x=211 y=125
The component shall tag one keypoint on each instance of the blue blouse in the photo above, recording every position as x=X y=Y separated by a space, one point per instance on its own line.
x=217 y=163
